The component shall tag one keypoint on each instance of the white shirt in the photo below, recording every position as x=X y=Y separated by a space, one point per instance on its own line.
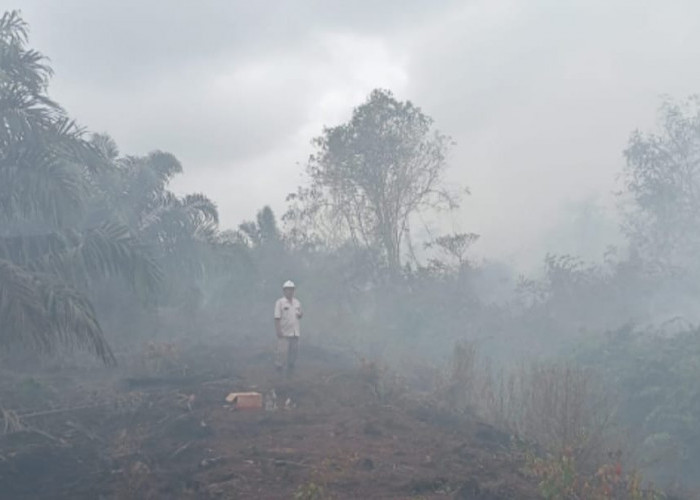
x=288 y=312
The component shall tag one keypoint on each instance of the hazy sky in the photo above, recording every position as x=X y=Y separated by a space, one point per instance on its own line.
x=540 y=95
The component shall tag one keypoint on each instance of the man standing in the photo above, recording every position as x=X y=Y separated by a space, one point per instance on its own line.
x=287 y=315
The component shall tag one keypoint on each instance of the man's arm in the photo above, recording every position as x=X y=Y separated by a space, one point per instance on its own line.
x=278 y=321
x=278 y=327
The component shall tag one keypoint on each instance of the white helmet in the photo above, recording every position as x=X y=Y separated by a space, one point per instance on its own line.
x=288 y=284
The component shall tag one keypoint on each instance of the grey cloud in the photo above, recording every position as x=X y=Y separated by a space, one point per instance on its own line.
x=150 y=66
x=118 y=43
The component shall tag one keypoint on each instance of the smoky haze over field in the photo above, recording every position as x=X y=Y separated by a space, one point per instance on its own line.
x=491 y=210
x=540 y=96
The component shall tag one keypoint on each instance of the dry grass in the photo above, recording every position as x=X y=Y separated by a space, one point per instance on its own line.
x=563 y=407
x=559 y=406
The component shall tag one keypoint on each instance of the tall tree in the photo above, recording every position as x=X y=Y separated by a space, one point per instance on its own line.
x=50 y=250
x=177 y=229
x=266 y=248
x=662 y=187
x=263 y=231
x=369 y=176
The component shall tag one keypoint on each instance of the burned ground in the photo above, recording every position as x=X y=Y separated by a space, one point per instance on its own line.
x=337 y=429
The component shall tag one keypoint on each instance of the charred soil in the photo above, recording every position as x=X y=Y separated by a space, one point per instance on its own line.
x=335 y=429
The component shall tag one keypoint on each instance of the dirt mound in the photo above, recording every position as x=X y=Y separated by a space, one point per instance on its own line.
x=335 y=430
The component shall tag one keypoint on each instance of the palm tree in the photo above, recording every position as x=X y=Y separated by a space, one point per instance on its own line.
x=180 y=230
x=51 y=246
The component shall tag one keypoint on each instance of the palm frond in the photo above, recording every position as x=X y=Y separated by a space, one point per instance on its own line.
x=84 y=257
x=18 y=64
x=46 y=172
x=177 y=219
x=22 y=313
x=25 y=249
x=102 y=252
x=74 y=320
x=37 y=312
x=13 y=28
x=36 y=184
x=105 y=146
x=165 y=164
x=201 y=206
